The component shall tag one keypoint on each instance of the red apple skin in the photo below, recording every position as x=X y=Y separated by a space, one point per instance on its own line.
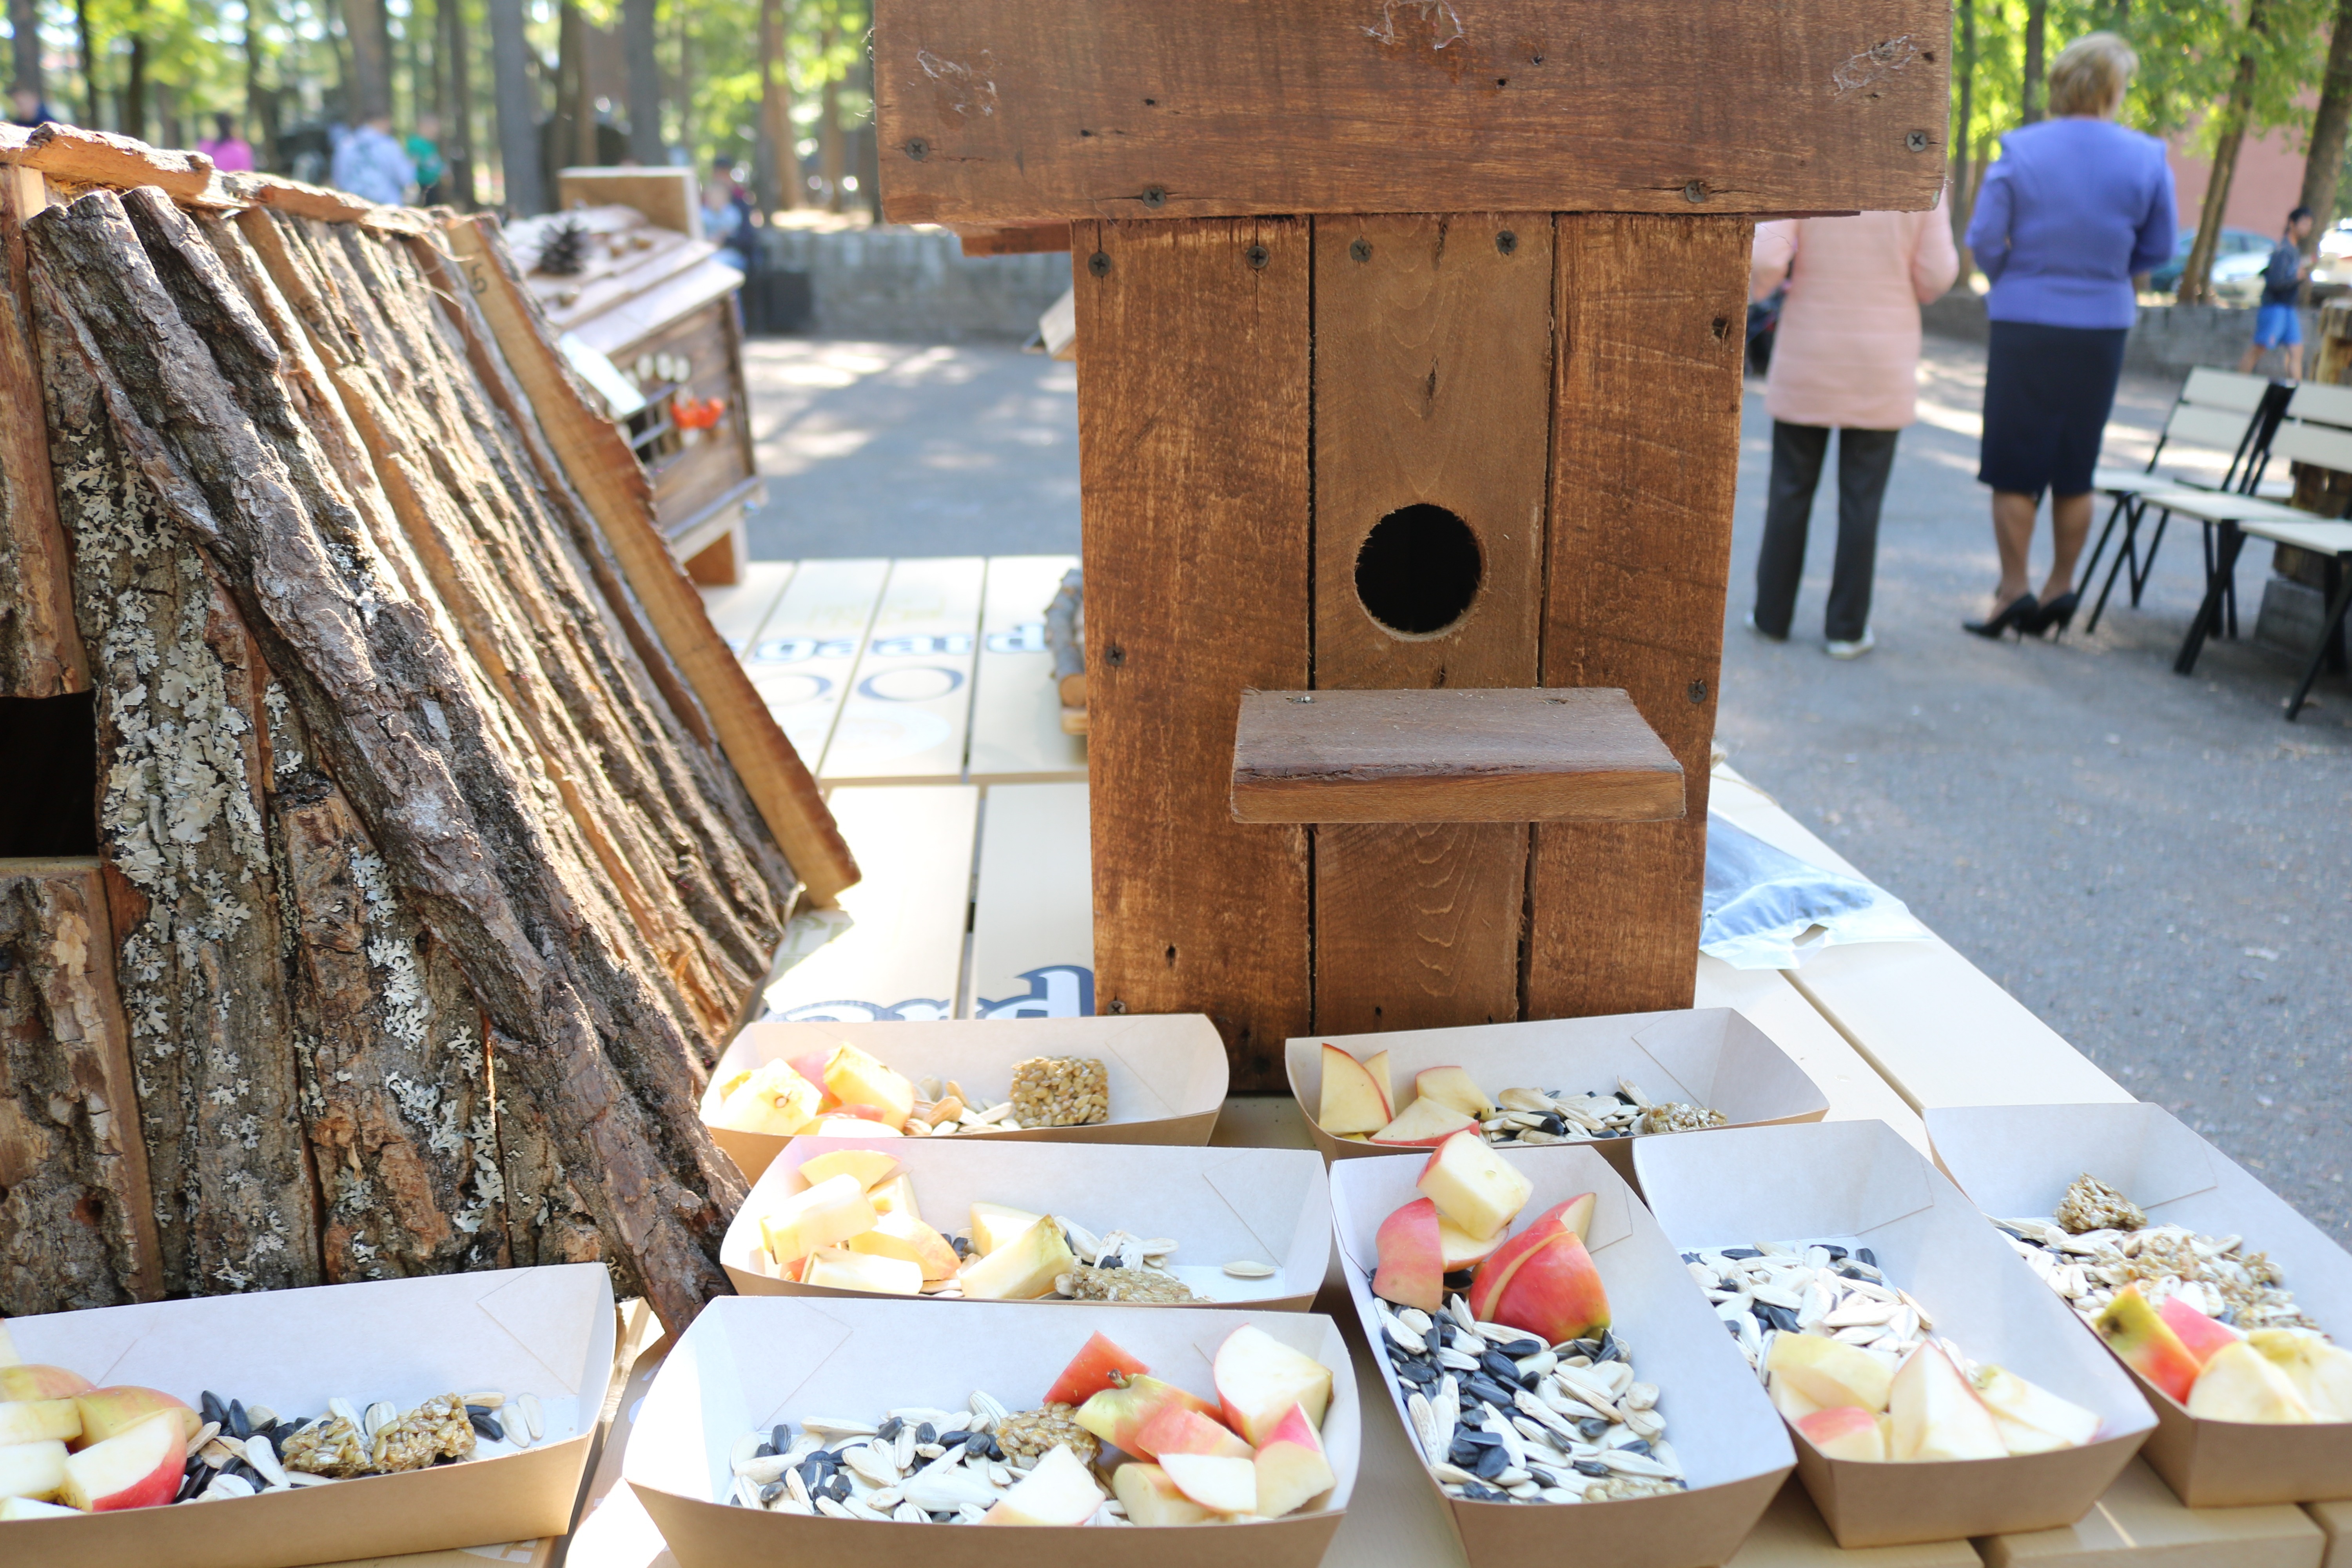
x=1412 y=1271
x=108 y=1411
x=1573 y=1217
x=1555 y=1294
x=159 y=1484
x=1118 y=1415
x=1291 y=1466
x=30 y=1380
x=2199 y=1335
x=1176 y=1430
x=1091 y=1371
x=811 y=1065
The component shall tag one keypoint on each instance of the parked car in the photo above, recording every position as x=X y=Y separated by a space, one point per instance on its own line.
x=2235 y=243
x=2332 y=274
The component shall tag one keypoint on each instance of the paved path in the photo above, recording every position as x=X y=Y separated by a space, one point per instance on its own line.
x=2160 y=868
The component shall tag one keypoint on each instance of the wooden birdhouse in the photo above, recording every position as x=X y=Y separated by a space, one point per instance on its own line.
x=1409 y=339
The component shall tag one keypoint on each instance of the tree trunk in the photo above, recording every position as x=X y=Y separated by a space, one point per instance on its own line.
x=370 y=80
x=134 y=89
x=260 y=114
x=2196 y=274
x=684 y=98
x=1959 y=196
x=88 y=64
x=829 y=129
x=40 y=651
x=2034 y=93
x=779 y=178
x=517 y=104
x=24 y=19
x=2325 y=165
x=457 y=81
x=641 y=38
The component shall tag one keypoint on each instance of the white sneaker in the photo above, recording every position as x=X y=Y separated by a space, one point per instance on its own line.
x=1869 y=640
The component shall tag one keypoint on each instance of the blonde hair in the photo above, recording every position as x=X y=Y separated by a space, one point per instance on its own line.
x=2090 y=74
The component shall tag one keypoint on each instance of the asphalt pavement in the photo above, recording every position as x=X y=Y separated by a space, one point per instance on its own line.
x=2159 y=867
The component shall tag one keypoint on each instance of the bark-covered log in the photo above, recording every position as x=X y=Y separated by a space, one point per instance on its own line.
x=76 y=1226
x=40 y=653
x=467 y=844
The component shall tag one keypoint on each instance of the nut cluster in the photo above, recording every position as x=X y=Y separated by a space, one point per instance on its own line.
x=1060 y=1091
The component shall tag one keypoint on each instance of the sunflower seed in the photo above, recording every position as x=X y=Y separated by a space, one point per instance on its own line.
x=831 y=1427
x=490 y=1401
x=825 y=1505
x=263 y=1457
x=260 y=1416
x=381 y=1414
x=204 y=1434
x=228 y=1487
x=1246 y=1268
x=340 y=1406
x=304 y=1478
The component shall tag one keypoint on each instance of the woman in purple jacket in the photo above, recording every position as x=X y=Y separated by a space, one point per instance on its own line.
x=2075 y=207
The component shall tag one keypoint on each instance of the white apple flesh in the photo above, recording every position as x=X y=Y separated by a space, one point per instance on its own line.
x=1259 y=1378
x=1060 y=1491
x=138 y=1468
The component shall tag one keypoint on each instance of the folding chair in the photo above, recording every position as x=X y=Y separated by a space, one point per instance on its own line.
x=2217 y=409
x=2231 y=522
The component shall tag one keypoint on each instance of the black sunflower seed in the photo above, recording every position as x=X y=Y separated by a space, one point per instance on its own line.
x=238 y=1426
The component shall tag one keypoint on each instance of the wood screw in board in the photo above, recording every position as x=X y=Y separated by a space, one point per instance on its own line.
x=1693 y=191
x=1259 y=256
x=1916 y=140
x=1155 y=196
x=1506 y=242
x=1099 y=264
x=1698 y=691
x=1361 y=250
x=917 y=149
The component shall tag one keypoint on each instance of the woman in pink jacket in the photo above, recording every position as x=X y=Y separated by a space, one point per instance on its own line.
x=1845 y=357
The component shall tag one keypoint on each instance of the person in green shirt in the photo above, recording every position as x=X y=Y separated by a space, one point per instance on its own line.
x=424 y=149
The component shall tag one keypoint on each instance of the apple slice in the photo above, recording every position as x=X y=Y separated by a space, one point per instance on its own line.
x=1099 y=1364
x=1474 y=1186
x=1412 y=1271
x=26 y=1508
x=854 y=1077
x=1453 y=1087
x=107 y=1411
x=1352 y=1101
x=1936 y=1415
x=811 y=1066
x=1376 y=1064
x=33 y=1420
x=1217 y=1482
x=1423 y=1124
x=1119 y=1414
x=870 y=1166
x=1574 y=1216
x=2321 y=1372
x=1151 y=1498
x=1786 y=1399
x=1555 y=1293
x=2199 y=1335
x=1059 y=1491
x=832 y=1211
x=1259 y=1378
x=1022 y=1268
x=30 y=1380
x=2030 y=1418
x=773 y=1099
x=994 y=1224
x=1845 y=1432
x=138 y=1468
x=1292 y=1468
x=33 y=1469
x=1178 y=1430
x=896 y=1195
x=849 y=1270
x=1458 y=1249
x=2239 y=1383
x=2143 y=1343
x=902 y=1234
x=1829 y=1372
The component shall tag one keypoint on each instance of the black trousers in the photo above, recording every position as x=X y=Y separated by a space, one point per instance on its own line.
x=1864 y=459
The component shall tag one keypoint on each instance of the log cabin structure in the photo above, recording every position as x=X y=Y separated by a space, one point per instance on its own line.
x=1410 y=338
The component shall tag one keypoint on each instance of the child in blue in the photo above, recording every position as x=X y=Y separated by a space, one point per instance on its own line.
x=2277 y=324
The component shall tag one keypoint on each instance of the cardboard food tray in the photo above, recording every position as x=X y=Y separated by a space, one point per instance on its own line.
x=1722 y=1427
x=1166 y=1072
x=1859 y=1183
x=1705 y=1056
x=748 y=1363
x=546 y=1331
x=2016 y=1162
x=1220 y=1205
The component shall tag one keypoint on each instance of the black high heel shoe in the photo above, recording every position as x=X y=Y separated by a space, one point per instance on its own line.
x=2058 y=613
x=2017 y=616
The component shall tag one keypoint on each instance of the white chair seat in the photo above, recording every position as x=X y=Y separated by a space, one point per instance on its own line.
x=2316 y=535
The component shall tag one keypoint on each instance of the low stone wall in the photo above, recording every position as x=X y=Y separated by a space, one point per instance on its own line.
x=2168 y=340
x=894 y=282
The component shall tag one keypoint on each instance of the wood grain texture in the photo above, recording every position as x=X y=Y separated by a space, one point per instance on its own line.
x=77 y=1220
x=613 y=487
x=1192 y=443
x=1010 y=111
x=1433 y=386
x=40 y=651
x=1534 y=754
x=1651 y=323
x=75 y=156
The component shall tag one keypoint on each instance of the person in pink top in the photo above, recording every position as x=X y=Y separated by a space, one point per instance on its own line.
x=1845 y=358
x=230 y=153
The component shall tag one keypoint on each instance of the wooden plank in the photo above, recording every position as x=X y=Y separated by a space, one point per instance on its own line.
x=2138 y=1524
x=1016 y=707
x=1033 y=931
x=78 y=1227
x=907 y=710
x=738 y=611
x=40 y=651
x=1006 y=112
x=1650 y=314
x=1792 y=1535
x=608 y=475
x=800 y=663
x=1432 y=387
x=1934 y=1025
x=902 y=956
x=622 y=328
x=1196 y=562
x=665 y=196
x=1529 y=754
x=2334 y=1519
x=73 y=157
x=1025 y=240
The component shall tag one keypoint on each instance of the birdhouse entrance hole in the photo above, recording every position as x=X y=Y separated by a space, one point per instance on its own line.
x=1418 y=570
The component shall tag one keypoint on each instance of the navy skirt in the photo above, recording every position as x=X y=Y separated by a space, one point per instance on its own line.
x=2048 y=391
